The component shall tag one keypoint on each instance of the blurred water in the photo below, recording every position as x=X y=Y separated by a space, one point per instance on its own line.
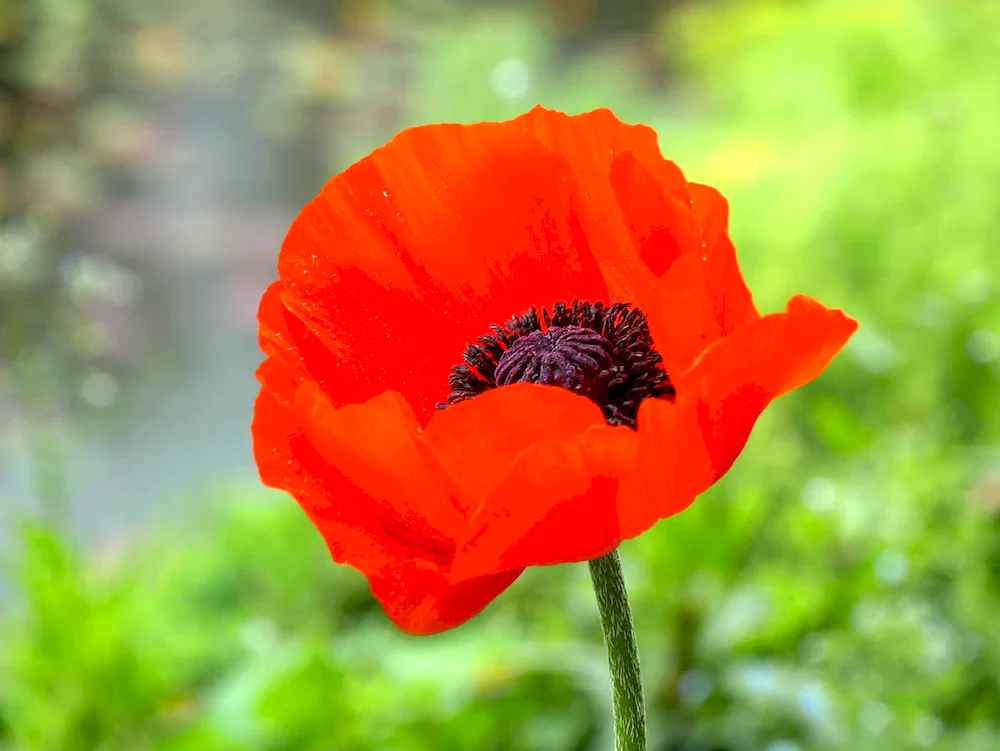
x=193 y=430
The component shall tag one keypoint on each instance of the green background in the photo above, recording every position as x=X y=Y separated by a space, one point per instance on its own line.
x=838 y=589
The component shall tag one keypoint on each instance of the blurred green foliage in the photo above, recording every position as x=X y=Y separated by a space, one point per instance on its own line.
x=840 y=589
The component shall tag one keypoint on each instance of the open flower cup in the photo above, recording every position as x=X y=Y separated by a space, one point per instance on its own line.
x=512 y=344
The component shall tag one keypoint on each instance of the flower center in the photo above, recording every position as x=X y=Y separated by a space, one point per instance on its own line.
x=603 y=352
x=573 y=357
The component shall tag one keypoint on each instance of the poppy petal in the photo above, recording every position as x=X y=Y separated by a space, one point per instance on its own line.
x=660 y=222
x=662 y=243
x=475 y=442
x=538 y=516
x=374 y=446
x=295 y=354
x=420 y=599
x=626 y=183
x=584 y=197
x=731 y=299
x=287 y=460
x=558 y=503
x=405 y=569
x=689 y=444
x=617 y=452
x=702 y=297
x=415 y=250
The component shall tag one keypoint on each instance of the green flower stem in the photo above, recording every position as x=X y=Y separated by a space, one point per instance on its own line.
x=623 y=655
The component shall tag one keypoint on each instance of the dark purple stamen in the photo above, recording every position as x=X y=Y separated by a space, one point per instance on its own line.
x=575 y=358
x=602 y=352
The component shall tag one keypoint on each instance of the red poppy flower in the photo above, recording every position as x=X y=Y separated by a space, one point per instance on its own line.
x=512 y=344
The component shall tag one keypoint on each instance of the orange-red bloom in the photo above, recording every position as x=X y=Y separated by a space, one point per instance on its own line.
x=415 y=252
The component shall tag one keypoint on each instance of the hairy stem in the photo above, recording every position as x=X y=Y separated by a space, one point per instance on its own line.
x=623 y=654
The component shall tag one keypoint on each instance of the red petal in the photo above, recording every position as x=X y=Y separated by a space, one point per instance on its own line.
x=415 y=250
x=419 y=599
x=559 y=503
x=731 y=299
x=374 y=445
x=367 y=496
x=661 y=243
x=702 y=297
x=543 y=472
x=625 y=182
x=476 y=441
x=371 y=460
x=616 y=451
x=688 y=445
x=287 y=459
x=295 y=354
x=660 y=222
